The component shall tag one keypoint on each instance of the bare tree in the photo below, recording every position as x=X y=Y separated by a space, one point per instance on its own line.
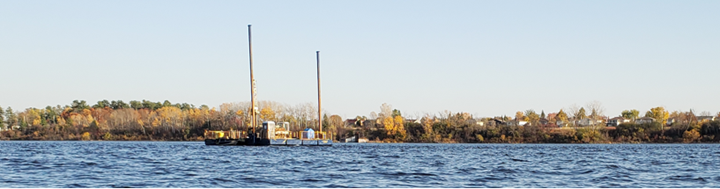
x=597 y=107
x=573 y=111
x=597 y=111
x=385 y=110
x=706 y=113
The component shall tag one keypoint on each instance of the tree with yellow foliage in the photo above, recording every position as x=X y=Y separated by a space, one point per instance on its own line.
x=389 y=125
x=519 y=116
x=400 y=133
x=427 y=123
x=267 y=114
x=395 y=128
x=659 y=113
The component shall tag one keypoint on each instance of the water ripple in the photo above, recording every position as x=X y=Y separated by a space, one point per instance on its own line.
x=76 y=164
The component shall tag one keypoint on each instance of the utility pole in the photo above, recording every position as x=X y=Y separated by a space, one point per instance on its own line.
x=317 y=55
x=252 y=82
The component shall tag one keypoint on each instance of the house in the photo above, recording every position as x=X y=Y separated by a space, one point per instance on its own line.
x=705 y=118
x=351 y=122
x=561 y=123
x=496 y=122
x=516 y=123
x=671 y=121
x=475 y=122
x=412 y=121
x=589 y=122
x=617 y=121
x=643 y=120
x=543 y=121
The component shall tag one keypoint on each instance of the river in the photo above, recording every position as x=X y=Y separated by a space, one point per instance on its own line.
x=192 y=164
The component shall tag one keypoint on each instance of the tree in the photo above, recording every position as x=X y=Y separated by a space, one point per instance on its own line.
x=519 y=115
x=389 y=126
x=136 y=104
x=79 y=106
x=102 y=104
x=427 y=123
x=581 y=114
x=166 y=103
x=542 y=114
x=691 y=136
x=326 y=123
x=386 y=110
x=573 y=111
x=396 y=112
x=150 y=105
x=118 y=105
x=267 y=114
x=659 y=113
x=2 y=118
x=630 y=114
x=400 y=133
x=11 y=117
x=532 y=117
x=561 y=116
x=596 y=108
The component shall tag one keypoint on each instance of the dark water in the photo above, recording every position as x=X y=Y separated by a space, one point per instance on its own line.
x=192 y=164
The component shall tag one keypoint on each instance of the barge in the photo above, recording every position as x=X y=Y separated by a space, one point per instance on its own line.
x=270 y=134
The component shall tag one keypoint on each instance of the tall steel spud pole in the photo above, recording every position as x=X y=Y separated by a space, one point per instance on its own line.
x=252 y=82
x=317 y=55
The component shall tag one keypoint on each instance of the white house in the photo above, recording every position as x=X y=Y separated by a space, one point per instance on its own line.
x=588 y=122
x=561 y=123
x=516 y=123
x=617 y=121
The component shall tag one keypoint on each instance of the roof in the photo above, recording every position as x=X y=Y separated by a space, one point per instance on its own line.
x=705 y=117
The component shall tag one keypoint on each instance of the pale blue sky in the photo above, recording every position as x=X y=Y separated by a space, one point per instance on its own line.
x=483 y=57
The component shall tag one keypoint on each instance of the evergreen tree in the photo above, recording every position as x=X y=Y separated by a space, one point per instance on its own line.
x=396 y=112
x=581 y=114
x=11 y=118
x=2 y=118
x=136 y=104
x=166 y=103
x=325 y=122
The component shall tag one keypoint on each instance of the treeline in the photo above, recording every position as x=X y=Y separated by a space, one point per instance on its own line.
x=575 y=126
x=141 y=120
x=457 y=131
x=147 y=120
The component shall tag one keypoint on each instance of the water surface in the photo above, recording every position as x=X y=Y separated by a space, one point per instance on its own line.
x=192 y=164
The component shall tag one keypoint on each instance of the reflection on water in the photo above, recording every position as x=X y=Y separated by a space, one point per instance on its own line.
x=192 y=164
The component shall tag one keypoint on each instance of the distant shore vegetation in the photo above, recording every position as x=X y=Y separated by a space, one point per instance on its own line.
x=166 y=121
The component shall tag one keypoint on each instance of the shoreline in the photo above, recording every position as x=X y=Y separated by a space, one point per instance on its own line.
x=361 y=143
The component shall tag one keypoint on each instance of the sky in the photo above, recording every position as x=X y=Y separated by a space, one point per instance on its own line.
x=487 y=58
